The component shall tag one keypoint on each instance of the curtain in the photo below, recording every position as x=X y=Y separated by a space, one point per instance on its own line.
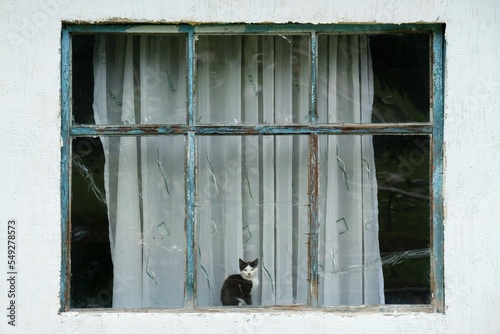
x=252 y=191
x=349 y=251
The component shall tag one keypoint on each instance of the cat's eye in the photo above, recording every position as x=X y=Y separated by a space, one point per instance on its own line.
x=315 y=149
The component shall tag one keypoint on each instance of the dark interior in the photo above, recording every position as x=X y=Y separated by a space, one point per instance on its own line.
x=402 y=85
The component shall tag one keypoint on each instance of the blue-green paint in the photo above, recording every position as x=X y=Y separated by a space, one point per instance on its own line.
x=314 y=67
x=98 y=28
x=191 y=130
x=190 y=81
x=313 y=295
x=186 y=28
x=330 y=28
x=250 y=129
x=189 y=300
x=257 y=28
x=127 y=130
x=125 y=28
x=65 y=161
x=437 y=261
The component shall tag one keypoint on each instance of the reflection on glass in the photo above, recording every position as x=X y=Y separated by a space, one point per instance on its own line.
x=345 y=85
x=404 y=213
x=127 y=217
x=349 y=256
x=135 y=79
x=252 y=203
x=388 y=73
x=91 y=265
x=401 y=75
x=253 y=79
x=252 y=192
x=374 y=220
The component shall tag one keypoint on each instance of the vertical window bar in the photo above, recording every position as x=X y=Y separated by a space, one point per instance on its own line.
x=314 y=48
x=190 y=83
x=190 y=186
x=190 y=230
x=437 y=264
x=65 y=160
x=313 y=185
x=313 y=220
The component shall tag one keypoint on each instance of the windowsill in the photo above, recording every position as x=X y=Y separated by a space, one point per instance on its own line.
x=379 y=309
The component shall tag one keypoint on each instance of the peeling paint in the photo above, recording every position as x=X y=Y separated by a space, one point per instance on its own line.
x=240 y=129
x=190 y=130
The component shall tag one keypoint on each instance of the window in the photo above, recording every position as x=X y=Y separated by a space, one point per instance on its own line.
x=315 y=148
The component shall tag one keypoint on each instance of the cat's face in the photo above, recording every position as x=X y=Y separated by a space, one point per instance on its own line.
x=249 y=270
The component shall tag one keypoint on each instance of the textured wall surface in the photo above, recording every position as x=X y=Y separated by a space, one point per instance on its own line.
x=30 y=156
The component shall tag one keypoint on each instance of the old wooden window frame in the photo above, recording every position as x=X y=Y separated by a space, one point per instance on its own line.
x=191 y=129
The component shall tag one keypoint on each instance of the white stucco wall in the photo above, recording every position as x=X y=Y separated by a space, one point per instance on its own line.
x=30 y=162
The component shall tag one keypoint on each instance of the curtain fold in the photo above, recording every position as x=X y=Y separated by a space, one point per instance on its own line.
x=139 y=80
x=252 y=191
x=349 y=253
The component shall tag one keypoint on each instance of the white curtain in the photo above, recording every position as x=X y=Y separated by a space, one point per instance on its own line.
x=252 y=191
x=349 y=250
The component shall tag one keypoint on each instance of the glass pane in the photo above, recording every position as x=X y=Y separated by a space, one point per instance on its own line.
x=373 y=79
x=252 y=203
x=129 y=79
x=252 y=79
x=374 y=220
x=127 y=222
x=91 y=265
x=403 y=177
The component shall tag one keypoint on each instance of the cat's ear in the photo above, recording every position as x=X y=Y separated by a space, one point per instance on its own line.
x=256 y=262
x=242 y=262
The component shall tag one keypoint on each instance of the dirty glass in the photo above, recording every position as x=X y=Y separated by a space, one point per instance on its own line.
x=128 y=212
x=252 y=202
x=404 y=206
x=139 y=79
x=398 y=88
x=252 y=79
x=91 y=264
x=376 y=203
x=288 y=175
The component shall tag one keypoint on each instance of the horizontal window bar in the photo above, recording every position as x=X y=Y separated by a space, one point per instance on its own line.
x=339 y=28
x=121 y=130
x=248 y=28
x=127 y=28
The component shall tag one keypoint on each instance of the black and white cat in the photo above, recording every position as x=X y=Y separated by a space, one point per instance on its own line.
x=237 y=289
